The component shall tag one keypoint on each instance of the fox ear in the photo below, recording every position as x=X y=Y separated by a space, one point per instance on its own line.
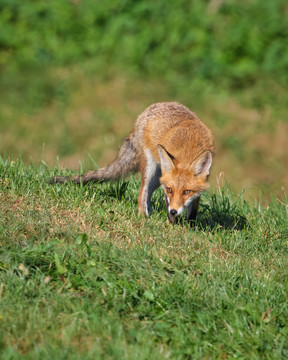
x=166 y=159
x=202 y=164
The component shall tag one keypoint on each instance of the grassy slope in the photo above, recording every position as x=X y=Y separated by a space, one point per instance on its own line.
x=82 y=276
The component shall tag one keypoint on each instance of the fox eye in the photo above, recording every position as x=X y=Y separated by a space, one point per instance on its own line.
x=169 y=190
x=186 y=192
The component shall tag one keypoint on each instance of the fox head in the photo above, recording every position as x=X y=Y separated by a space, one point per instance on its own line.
x=183 y=183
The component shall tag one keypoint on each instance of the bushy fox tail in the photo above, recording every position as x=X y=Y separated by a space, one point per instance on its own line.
x=126 y=162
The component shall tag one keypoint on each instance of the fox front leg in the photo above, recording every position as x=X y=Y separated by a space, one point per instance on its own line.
x=150 y=172
x=192 y=211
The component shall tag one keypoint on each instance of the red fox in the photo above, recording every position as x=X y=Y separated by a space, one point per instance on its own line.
x=169 y=146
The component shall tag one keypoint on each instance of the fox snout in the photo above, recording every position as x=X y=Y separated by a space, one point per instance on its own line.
x=175 y=212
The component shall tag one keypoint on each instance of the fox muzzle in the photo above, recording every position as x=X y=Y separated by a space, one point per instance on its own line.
x=173 y=212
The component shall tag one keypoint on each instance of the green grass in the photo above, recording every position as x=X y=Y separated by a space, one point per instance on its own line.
x=82 y=276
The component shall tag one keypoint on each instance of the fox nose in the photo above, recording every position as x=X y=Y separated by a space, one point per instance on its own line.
x=173 y=212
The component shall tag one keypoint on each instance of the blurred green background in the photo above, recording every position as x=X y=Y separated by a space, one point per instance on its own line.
x=76 y=74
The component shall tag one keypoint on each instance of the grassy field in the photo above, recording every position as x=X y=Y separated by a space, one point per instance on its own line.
x=84 y=277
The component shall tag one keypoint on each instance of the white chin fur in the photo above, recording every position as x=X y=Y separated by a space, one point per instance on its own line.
x=180 y=211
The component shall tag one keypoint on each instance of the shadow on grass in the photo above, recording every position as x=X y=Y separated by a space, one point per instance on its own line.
x=222 y=211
